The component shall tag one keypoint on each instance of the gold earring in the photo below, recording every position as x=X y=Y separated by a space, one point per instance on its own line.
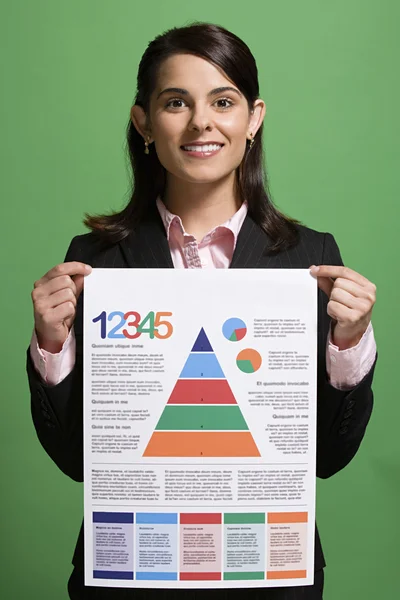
x=251 y=141
x=146 y=150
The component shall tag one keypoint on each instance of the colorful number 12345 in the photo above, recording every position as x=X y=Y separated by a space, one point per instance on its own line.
x=134 y=326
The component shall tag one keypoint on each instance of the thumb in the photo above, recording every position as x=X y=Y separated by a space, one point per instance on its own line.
x=78 y=280
x=325 y=284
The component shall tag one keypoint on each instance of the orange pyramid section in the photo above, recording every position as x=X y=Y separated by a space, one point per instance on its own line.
x=202 y=417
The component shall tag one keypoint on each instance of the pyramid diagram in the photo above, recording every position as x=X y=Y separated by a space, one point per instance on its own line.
x=202 y=417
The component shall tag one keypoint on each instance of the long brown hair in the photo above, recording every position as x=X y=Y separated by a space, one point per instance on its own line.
x=228 y=52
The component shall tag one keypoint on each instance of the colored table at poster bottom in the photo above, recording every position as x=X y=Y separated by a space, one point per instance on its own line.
x=113 y=545
x=244 y=543
x=287 y=544
x=156 y=543
x=200 y=546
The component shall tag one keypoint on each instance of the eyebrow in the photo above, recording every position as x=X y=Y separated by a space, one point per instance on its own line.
x=213 y=92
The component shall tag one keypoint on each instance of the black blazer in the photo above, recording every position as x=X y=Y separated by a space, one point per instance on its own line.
x=342 y=416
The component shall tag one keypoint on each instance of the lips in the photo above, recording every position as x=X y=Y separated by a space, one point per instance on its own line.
x=205 y=143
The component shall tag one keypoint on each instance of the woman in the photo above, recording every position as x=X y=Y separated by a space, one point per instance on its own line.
x=200 y=200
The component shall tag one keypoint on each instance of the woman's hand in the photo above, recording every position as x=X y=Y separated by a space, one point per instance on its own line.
x=351 y=300
x=54 y=303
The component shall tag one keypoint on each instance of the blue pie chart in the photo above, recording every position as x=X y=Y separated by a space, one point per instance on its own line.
x=234 y=329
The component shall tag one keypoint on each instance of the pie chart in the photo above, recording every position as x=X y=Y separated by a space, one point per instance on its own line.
x=249 y=360
x=234 y=329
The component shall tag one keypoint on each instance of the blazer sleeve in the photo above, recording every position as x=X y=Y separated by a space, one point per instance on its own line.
x=342 y=415
x=57 y=411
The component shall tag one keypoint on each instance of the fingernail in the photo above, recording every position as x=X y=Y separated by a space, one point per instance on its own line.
x=88 y=268
x=314 y=269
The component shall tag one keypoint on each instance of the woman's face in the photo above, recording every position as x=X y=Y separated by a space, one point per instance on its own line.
x=197 y=113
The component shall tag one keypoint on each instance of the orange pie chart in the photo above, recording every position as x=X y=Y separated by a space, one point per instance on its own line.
x=249 y=360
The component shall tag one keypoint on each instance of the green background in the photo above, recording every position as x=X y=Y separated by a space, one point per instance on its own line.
x=329 y=75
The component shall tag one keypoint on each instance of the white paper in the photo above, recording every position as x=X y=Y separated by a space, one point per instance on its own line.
x=200 y=444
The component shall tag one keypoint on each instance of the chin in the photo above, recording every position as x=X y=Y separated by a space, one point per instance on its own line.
x=204 y=174
x=204 y=179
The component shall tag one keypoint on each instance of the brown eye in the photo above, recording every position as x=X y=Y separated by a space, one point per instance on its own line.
x=169 y=103
x=225 y=100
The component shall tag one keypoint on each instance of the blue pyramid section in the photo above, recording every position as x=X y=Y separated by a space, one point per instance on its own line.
x=202 y=365
x=202 y=344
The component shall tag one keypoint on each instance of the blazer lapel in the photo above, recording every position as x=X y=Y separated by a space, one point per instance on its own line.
x=251 y=246
x=148 y=246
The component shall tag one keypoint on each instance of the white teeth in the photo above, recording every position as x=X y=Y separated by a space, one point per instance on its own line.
x=209 y=148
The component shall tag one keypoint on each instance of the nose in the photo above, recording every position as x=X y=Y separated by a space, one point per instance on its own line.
x=200 y=120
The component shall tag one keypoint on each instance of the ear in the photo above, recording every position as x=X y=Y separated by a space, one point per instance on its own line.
x=257 y=116
x=139 y=119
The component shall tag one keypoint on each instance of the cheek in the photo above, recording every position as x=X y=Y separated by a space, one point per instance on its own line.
x=233 y=126
x=170 y=127
x=170 y=155
x=169 y=134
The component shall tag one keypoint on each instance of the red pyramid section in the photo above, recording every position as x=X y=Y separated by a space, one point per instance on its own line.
x=202 y=391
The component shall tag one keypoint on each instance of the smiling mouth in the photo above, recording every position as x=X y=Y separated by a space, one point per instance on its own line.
x=202 y=151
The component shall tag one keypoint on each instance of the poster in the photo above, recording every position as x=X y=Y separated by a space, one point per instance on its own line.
x=199 y=427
